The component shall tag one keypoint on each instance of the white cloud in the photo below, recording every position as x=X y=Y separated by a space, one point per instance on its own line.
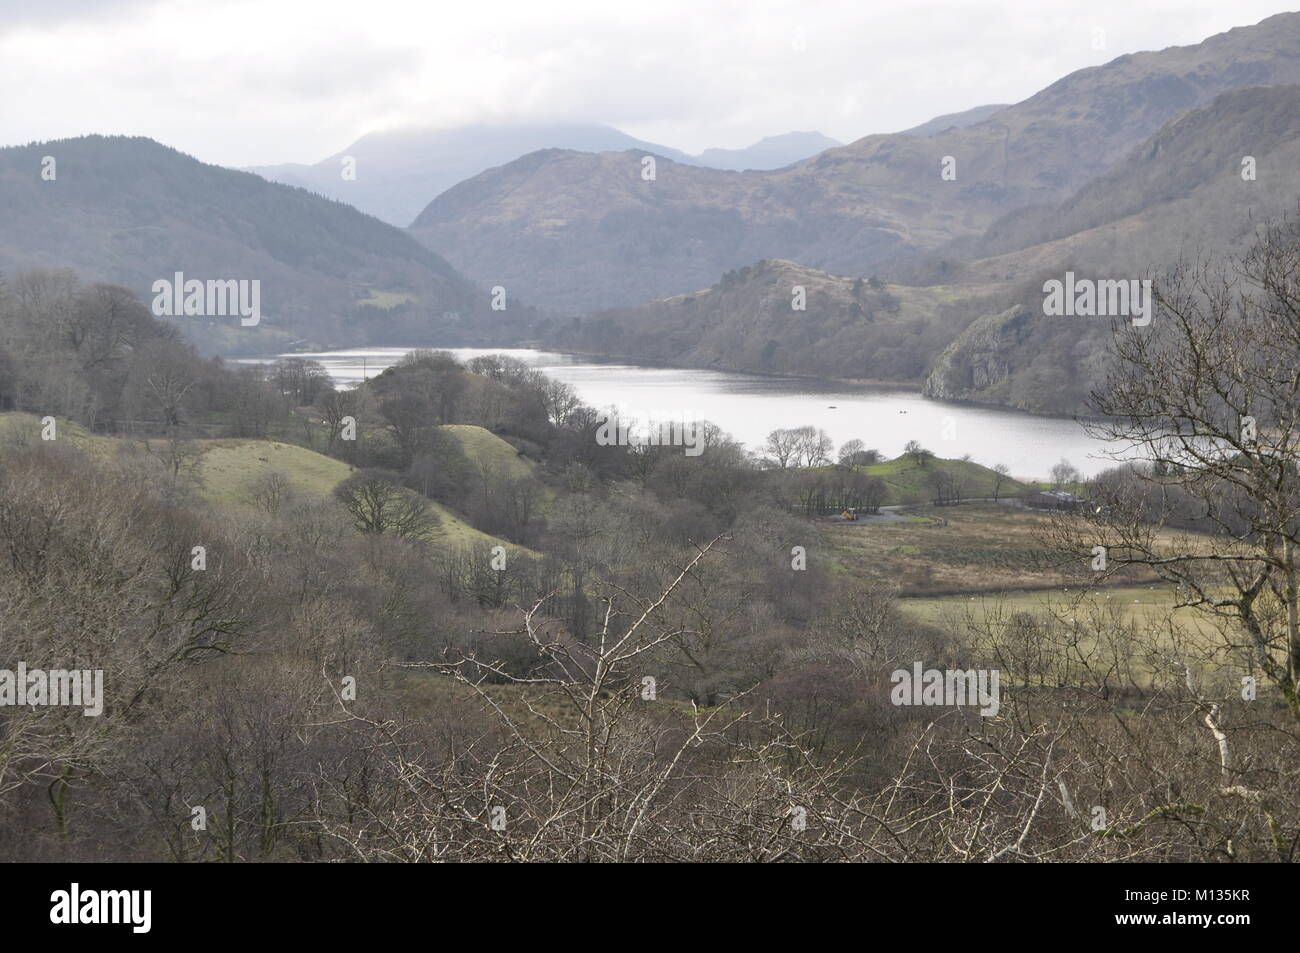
x=246 y=83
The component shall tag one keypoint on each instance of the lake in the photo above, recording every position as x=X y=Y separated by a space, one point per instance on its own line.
x=749 y=406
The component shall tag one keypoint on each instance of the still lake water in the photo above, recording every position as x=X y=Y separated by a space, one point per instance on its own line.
x=749 y=407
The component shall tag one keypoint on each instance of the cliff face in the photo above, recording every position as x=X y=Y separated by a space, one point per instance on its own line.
x=1025 y=360
x=979 y=363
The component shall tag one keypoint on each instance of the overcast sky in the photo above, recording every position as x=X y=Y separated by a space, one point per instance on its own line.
x=267 y=81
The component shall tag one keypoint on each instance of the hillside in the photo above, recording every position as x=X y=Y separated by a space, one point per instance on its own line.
x=481 y=446
x=18 y=428
x=954 y=120
x=1183 y=185
x=907 y=481
x=230 y=471
x=580 y=232
x=399 y=171
x=131 y=211
x=851 y=328
x=1137 y=217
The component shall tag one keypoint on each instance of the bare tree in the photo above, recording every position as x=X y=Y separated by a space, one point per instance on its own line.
x=560 y=401
x=1210 y=394
x=783 y=445
x=1064 y=473
x=591 y=769
x=378 y=503
x=1001 y=474
x=849 y=451
x=920 y=456
x=271 y=493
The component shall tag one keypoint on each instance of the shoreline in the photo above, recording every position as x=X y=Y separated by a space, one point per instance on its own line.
x=865 y=385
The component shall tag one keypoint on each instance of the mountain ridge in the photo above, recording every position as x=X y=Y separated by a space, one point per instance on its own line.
x=979 y=335
x=873 y=204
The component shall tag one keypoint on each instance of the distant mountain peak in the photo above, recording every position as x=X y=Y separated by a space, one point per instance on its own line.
x=770 y=152
x=400 y=171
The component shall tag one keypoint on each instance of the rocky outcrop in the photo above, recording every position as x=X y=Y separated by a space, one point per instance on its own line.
x=979 y=364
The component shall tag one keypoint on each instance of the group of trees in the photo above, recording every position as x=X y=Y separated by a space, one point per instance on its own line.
x=799 y=447
x=808 y=446
x=666 y=663
x=832 y=490
x=96 y=355
x=319 y=695
x=854 y=453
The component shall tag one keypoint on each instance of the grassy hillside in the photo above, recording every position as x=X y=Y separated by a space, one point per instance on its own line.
x=24 y=429
x=908 y=481
x=230 y=470
x=483 y=446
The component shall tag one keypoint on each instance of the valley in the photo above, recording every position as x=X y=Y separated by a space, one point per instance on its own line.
x=625 y=450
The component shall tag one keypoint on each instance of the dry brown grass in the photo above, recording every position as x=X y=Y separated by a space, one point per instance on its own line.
x=972 y=548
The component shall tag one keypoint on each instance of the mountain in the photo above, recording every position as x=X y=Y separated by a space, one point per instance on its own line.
x=981 y=335
x=1179 y=195
x=954 y=121
x=131 y=211
x=581 y=232
x=1181 y=187
x=399 y=172
x=770 y=152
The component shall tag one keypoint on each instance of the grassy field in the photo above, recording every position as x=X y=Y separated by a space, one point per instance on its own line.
x=974 y=547
x=1147 y=605
x=387 y=300
x=984 y=563
x=1139 y=625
